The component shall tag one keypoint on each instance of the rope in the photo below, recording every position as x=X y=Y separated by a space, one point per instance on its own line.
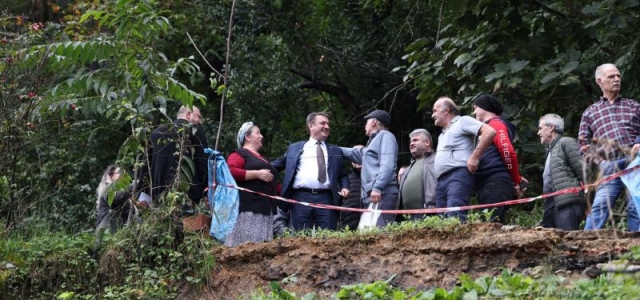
x=572 y=190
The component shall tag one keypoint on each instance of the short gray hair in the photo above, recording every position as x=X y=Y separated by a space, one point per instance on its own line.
x=602 y=66
x=555 y=121
x=423 y=132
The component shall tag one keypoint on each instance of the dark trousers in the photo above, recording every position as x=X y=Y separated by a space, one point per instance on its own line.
x=305 y=217
x=495 y=190
x=565 y=218
x=454 y=189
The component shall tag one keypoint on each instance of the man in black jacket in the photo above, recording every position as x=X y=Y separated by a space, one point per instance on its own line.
x=562 y=169
x=171 y=146
x=351 y=218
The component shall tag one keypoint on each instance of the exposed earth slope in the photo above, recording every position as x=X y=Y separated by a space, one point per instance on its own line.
x=420 y=258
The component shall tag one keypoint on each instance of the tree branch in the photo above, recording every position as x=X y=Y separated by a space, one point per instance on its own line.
x=8 y=34
x=202 y=55
x=340 y=92
x=227 y=67
x=306 y=75
x=548 y=9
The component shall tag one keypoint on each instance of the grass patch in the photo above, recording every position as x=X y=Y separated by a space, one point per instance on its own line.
x=433 y=222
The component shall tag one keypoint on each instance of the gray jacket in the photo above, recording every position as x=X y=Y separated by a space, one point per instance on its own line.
x=378 y=160
x=566 y=170
x=429 y=180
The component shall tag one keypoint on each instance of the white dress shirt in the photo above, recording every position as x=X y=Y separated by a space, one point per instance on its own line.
x=307 y=172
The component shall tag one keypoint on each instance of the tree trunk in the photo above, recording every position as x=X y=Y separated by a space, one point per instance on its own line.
x=39 y=11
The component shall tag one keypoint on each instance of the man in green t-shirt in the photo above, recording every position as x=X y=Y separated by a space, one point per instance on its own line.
x=418 y=184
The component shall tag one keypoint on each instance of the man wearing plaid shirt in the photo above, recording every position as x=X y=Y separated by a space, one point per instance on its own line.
x=613 y=119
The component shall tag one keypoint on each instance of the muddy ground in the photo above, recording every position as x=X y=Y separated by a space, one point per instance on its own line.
x=422 y=259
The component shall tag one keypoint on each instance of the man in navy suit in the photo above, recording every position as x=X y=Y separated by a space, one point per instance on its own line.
x=314 y=173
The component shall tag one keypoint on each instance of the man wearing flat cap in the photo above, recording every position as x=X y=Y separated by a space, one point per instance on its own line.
x=378 y=159
x=498 y=177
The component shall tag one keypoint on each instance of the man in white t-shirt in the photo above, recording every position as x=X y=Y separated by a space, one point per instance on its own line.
x=458 y=154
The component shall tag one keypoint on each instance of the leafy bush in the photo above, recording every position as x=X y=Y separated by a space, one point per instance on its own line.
x=138 y=262
x=506 y=286
x=43 y=159
x=45 y=263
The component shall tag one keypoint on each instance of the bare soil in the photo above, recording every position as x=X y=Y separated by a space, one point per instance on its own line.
x=422 y=258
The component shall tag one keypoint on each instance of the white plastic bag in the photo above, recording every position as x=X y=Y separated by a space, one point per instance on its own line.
x=369 y=219
x=144 y=198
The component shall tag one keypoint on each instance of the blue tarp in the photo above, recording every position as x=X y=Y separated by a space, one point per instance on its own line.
x=632 y=181
x=223 y=200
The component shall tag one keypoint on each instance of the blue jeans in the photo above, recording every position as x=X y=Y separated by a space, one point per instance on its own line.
x=606 y=195
x=454 y=189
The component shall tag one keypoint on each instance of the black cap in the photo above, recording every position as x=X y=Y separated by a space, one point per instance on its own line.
x=380 y=115
x=489 y=103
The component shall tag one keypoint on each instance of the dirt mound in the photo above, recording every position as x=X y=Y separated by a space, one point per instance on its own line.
x=421 y=258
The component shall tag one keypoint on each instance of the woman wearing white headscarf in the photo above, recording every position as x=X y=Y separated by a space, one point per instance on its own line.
x=252 y=171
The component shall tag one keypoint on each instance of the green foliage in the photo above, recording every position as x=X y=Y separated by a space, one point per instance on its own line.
x=377 y=290
x=291 y=58
x=46 y=263
x=45 y=172
x=526 y=217
x=119 y=185
x=476 y=216
x=633 y=254
x=507 y=285
x=141 y=262
x=279 y=293
x=123 y=70
x=536 y=57
x=74 y=89
x=434 y=222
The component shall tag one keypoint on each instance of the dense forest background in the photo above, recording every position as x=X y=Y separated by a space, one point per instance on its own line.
x=83 y=81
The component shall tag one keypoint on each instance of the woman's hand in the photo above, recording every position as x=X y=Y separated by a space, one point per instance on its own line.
x=265 y=175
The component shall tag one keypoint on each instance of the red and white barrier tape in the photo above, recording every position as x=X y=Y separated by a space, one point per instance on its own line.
x=574 y=190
